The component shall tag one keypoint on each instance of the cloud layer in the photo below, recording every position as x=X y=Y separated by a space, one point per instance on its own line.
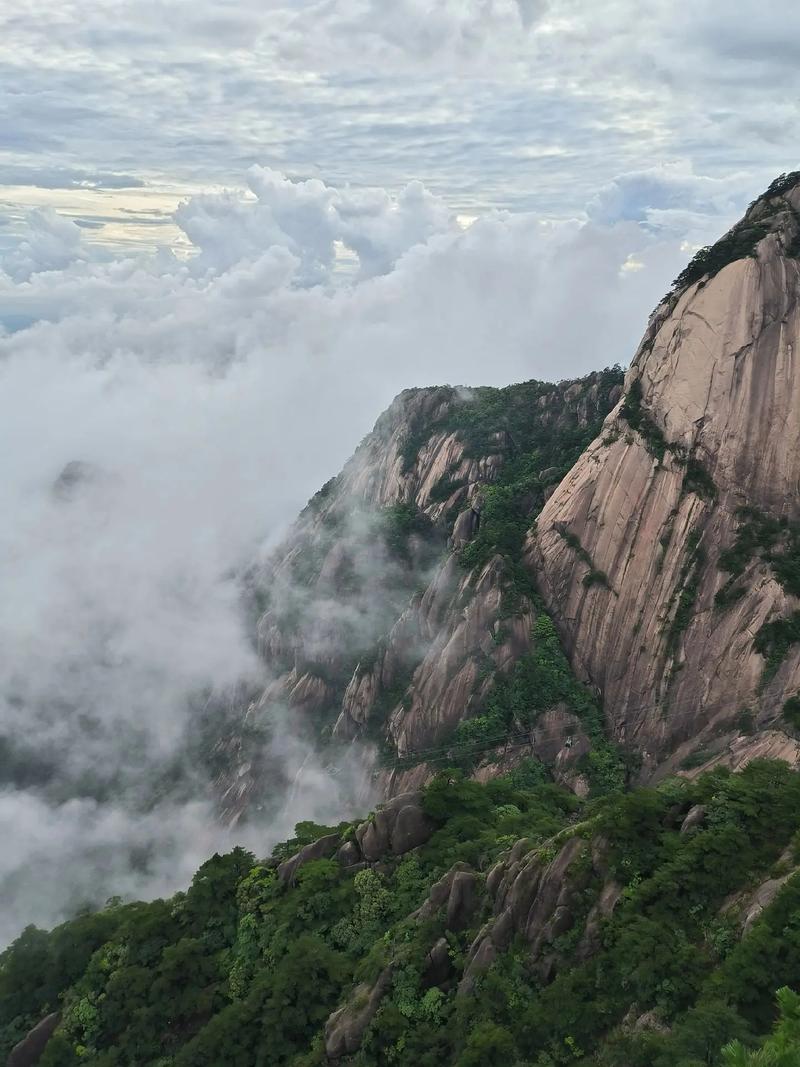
x=515 y=104
x=162 y=420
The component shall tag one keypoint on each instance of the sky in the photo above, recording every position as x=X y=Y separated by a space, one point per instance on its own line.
x=230 y=233
x=112 y=111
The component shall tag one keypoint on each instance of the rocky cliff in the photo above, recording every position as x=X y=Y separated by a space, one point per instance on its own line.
x=657 y=524
x=687 y=502
x=398 y=600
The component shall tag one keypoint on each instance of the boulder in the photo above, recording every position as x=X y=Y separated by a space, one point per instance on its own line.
x=411 y=829
x=438 y=966
x=695 y=817
x=457 y=892
x=600 y=910
x=396 y=827
x=322 y=848
x=31 y=1048
x=482 y=959
x=349 y=854
x=344 y=1030
x=465 y=528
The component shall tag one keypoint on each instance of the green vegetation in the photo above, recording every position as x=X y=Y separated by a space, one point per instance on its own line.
x=774 y=541
x=517 y=418
x=697 y=758
x=696 y=478
x=784 y=183
x=536 y=436
x=445 y=488
x=407 y=533
x=791 y=711
x=774 y=640
x=244 y=970
x=688 y=587
x=636 y=416
x=738 y=243
x=594 y=576
x=537 y=443
x=782 y=1048
x=319 y=498
x=540 y=679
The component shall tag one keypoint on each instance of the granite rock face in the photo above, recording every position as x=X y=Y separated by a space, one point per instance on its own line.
x=396 y=827
x=368 y=621
x=379 y=632
x=345 y=1028
x=536 y=895
x=30 y=1050
x=714 y=426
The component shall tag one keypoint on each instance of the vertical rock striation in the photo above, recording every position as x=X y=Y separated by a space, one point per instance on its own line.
x=710 y=425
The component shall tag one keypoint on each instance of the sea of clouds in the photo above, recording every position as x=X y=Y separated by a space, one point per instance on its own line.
x=163 y=419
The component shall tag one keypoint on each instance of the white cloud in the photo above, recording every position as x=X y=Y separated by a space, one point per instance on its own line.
x=672 y=200
x=307 y=218
x=207 y=398
x=464 y=94
x=196 y=406
x=52 y=243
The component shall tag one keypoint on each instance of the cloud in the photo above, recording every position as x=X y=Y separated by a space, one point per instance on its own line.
x=307 y=218
x=762 y=33
x=672 y=199
x=52 y=243
x=101 y=848
x=162 y=420
x=420 y=31
x=460 y=94
x=65 y=178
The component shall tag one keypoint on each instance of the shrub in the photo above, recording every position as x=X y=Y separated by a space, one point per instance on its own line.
x=791 y=711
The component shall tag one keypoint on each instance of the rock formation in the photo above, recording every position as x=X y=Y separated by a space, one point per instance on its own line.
x=30 y=1050
x=373 y=628
x=668 y=556
x=710 y=425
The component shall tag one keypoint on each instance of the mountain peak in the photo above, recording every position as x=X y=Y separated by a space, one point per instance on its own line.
x=776 y=211
x=688 y=505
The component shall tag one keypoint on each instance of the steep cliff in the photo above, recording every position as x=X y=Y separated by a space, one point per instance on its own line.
x=688 y=502
x=399 y=599
x=668 y=556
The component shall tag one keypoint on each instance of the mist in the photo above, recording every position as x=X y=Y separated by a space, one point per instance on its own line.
x=162 y=421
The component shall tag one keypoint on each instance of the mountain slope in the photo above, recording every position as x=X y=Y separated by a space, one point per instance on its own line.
x=468 y=925
x=688 y=502
x=398 y=601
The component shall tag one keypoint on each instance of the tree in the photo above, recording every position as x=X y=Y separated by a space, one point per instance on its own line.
x=782 y=1049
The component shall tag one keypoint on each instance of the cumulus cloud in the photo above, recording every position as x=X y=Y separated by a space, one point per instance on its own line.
x=162 y=420
x=52 y=243
x=672 y=199
x=307 y=218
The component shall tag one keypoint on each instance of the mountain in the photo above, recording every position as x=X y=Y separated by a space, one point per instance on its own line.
x=399 y=601
x=671 y=544
x=687 y=502
x=558 y=629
